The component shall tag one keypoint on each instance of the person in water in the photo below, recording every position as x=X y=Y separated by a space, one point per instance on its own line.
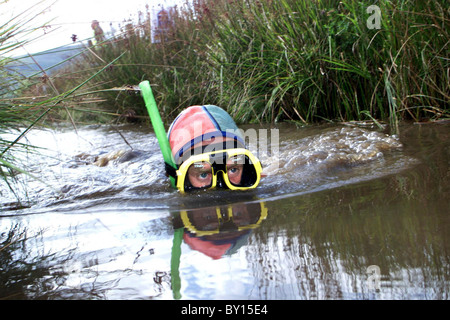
x=209 y=151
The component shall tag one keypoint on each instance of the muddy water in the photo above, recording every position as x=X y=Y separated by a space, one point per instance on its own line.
x=346 y=212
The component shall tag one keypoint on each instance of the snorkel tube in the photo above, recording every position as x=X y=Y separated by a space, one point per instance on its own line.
x=158 y=125
x=161 y=135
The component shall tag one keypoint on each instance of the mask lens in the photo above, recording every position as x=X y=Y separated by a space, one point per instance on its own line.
x=204 y=220
x=199 y=175
x=241 y=171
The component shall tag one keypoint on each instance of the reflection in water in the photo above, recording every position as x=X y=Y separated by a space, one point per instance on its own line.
x=95 y=167
x=323 y=246
x=214 y=231
x=119 y=231
x=28 y=270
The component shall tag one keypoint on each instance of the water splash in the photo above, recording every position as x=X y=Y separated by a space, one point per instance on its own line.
x=98 y=167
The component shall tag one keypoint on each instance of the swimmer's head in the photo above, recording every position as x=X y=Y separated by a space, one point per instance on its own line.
x=209 y=151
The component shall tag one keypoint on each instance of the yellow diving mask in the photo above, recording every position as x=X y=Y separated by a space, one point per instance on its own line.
x=231 y=218
x=239 y=168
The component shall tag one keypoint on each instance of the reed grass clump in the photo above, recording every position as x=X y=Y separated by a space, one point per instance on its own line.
x=311 y=60
x=21 y=107
x=299 y=60
x=12 y=117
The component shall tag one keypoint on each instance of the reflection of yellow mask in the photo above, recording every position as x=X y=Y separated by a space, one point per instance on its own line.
x=241 y=170
x=209 y=221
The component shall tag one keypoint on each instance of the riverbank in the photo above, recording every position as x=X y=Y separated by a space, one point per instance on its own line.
x=271 y=61
x=265 y=61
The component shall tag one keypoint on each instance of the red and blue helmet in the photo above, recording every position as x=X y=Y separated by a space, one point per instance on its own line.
x=198 y=124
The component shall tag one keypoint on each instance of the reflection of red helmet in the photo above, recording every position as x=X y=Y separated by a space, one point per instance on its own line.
x=220 y=230
x=215 y=248
x=206 y=247
x=201 y=123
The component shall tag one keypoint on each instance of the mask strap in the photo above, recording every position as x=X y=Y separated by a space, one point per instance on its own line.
x=171 y=171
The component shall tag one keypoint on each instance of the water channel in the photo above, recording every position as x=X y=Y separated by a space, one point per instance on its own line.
x=346 y=211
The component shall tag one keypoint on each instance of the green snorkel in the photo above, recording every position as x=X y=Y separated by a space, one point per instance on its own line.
x=158 y=125
x=161 y=135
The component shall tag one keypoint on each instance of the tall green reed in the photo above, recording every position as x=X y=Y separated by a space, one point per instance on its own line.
x=313 y=60
x=295 y=60
x=20 y=109
x=175 y=68
x=11 y=118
